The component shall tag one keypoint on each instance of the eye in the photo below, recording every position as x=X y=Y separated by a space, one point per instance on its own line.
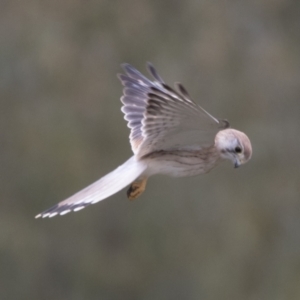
x=238 y=149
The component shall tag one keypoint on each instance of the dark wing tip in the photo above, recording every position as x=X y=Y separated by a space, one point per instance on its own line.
x=182 y=90
x=224 y=124
x=153 y=72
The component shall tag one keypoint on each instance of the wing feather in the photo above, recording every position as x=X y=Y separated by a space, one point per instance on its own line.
x=163 y=118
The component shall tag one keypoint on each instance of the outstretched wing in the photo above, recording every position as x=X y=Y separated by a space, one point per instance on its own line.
x=162 y=118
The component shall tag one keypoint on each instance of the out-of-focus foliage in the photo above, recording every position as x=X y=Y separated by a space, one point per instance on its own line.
x=231 y=234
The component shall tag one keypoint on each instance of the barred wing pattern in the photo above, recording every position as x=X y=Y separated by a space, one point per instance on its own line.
x=162 y=118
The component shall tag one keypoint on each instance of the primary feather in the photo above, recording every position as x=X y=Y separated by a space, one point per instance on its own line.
x=161 y=117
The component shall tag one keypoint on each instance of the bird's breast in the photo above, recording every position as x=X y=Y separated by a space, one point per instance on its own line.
x=182 y=163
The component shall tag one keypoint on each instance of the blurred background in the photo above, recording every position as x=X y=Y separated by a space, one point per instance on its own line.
x=231 y=234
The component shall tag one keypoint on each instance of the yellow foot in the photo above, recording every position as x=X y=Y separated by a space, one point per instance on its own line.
x=136 y=188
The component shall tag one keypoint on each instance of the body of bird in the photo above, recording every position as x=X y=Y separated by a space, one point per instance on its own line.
x=170 y=135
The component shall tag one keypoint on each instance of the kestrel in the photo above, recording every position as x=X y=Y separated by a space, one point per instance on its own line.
x=170 y=134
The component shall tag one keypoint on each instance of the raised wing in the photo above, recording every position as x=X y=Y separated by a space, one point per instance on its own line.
x=162 y=118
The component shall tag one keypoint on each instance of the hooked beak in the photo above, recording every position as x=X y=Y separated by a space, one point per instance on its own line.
x=237 y=164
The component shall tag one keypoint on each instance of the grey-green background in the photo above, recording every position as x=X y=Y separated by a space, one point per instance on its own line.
x=231 y=234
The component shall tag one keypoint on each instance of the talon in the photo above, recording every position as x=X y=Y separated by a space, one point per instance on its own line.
x=136 y=188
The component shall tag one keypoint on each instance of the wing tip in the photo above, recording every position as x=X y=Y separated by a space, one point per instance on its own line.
x=151 y=69
x=126 y=65
x=224 y=123
x=129 y=69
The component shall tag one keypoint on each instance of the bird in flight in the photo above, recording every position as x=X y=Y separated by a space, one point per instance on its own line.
x=169 y=134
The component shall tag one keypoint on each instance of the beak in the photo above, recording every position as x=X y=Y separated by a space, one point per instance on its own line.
x=237 y=164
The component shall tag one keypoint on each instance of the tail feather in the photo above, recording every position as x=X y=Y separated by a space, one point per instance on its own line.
x=99 y=190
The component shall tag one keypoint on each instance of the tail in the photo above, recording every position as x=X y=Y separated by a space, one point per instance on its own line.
x=99 y=190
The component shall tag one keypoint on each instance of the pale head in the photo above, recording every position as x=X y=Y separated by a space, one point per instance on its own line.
x=233 y=145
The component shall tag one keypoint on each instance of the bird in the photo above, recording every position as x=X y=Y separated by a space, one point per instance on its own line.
x=170 y=134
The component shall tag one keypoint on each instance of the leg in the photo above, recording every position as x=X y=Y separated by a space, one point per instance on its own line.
x=137 y=188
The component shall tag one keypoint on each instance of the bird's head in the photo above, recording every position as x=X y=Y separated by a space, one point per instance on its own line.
x=234 y=145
